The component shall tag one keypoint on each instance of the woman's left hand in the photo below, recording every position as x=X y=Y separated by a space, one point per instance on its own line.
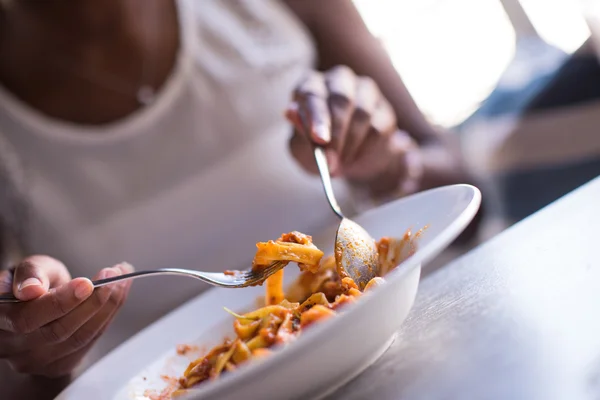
x=348 y=115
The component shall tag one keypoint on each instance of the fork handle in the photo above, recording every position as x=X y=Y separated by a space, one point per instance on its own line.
x=9 y=298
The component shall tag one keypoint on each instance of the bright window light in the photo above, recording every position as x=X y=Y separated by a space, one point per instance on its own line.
x=452 y=53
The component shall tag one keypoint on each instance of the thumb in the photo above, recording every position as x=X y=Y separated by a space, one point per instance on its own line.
x=36 y=274
x=291 y=114
x=316 y=132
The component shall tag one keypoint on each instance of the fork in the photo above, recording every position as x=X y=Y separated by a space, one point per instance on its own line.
x=237 y=279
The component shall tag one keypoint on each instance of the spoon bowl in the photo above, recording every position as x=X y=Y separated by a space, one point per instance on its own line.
x=355 y=253
x=355 y=250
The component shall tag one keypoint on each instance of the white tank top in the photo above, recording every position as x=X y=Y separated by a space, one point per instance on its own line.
x=193 y=180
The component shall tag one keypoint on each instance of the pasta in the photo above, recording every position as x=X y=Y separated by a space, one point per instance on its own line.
x=316 y=295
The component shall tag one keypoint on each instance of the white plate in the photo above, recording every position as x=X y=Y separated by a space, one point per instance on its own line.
x=324 y=357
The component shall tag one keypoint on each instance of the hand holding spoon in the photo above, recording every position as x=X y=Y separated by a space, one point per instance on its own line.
x=355 y=250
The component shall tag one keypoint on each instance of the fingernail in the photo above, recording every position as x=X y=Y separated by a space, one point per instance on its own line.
x=83 y=290
x=322 y=133
x=127 y=268
x=29 y=282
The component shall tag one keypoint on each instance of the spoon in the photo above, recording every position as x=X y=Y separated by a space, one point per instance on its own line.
x=355 y=250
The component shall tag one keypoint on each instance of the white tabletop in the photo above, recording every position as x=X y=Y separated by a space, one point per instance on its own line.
x=516 y=318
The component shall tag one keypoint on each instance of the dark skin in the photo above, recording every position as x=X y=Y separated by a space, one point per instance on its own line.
x=51 y=40
x=36 y=36
x=374 y=122
x=342 y=38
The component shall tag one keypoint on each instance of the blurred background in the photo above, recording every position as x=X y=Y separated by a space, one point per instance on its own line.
x=531 y=61
x=518 y=80
x=448 y=69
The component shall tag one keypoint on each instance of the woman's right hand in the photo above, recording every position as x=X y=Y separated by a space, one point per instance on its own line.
x=61 y=318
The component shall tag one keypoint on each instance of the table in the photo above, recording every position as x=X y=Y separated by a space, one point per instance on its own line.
x=516 y=318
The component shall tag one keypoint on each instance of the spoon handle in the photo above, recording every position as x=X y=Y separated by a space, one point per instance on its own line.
x=323 y=168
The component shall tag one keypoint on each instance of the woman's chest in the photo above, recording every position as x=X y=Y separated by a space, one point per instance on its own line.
x=209 y=218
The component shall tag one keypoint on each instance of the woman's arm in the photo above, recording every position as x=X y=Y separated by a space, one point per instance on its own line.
x=342 y=38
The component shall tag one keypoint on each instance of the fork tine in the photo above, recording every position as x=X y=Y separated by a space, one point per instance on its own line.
x=276 y=266
x=265 y=273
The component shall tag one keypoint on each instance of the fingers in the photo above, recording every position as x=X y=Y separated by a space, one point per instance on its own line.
x=372 y=158
x=342 y=85
x=358 y=115
x=73 y=334
x=392 y=157
x=313 y=111
x=321 y=113
x=96 y=325
x=292 y=115
x=383 y=119
x=36 y=274
x=27 y=317
x=63 y=328
x=67 y=363
x=302 y=151
x=366 y=99
x=63 y=366
x=373 y=155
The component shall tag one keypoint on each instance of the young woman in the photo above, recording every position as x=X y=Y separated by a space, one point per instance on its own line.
x=153 y=131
